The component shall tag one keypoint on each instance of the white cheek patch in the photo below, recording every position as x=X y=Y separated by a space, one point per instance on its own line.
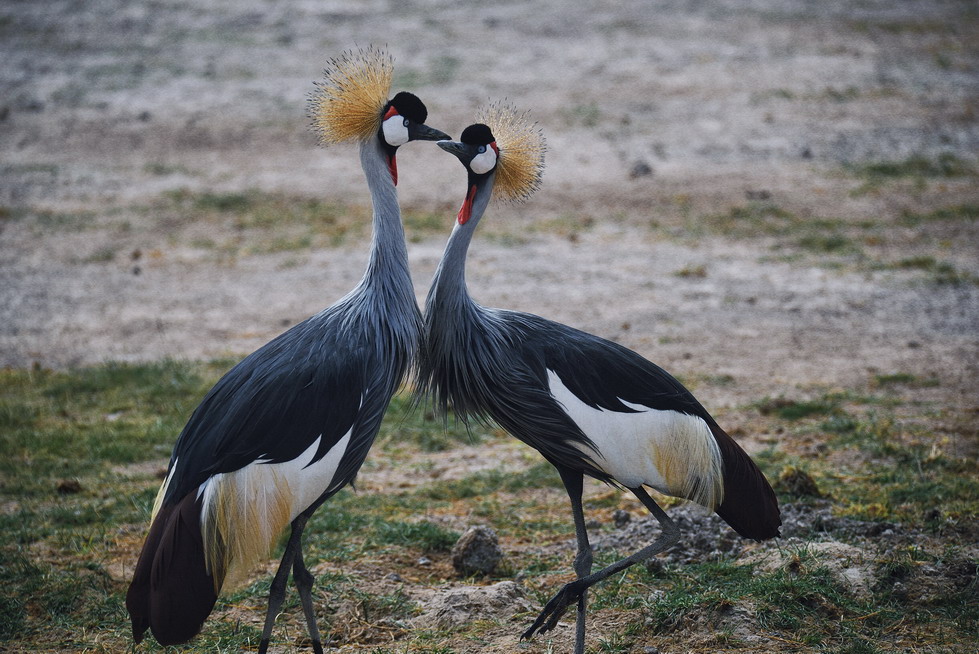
x=395 y=131
x=483 y=162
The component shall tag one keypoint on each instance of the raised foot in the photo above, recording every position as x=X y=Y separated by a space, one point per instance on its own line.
x=555 y=608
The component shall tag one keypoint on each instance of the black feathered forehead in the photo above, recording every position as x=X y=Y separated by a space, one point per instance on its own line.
x=409 y=106
x=477 y=134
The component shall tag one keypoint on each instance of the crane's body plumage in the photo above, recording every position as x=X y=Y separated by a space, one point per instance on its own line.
x=292 y=423
x=585 y=403
x=588 y=405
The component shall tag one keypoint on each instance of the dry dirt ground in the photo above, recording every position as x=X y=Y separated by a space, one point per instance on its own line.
x=676 y=129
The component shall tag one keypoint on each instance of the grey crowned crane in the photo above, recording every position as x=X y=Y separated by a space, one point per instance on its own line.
x=589 y=406
x=291 y=424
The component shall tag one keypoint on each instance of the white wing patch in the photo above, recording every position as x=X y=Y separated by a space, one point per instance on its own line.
x=307 y=481
x=673 y=452
x=244 y=511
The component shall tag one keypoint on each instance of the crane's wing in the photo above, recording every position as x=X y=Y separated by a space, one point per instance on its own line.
x=611 y=378
x=305 y=385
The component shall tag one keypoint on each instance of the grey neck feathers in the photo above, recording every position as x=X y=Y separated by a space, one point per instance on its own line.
x=387 y=276
x=449 y=285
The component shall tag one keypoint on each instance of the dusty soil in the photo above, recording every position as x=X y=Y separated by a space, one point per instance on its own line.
x=656 y=114
x=107 y=105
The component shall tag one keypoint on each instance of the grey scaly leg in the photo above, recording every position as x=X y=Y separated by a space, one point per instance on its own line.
x=555 y=608
x=277 y=591
x=304 y=584
x=583 y=559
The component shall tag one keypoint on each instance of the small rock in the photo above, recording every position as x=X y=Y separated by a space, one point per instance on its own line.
x=476 y=551
x=650 y=650
x=457 y=607
x=394 y=576
x=797 y=482
x=758 y=195
x=640 y=169
x=593 y=523
x=621 y=518
x=424 y=561
x=69 y=486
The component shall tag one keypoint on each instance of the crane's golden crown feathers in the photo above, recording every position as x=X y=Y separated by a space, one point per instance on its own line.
x=348 y=102
x=521 y=161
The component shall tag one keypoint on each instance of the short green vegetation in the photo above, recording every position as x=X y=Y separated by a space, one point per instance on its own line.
x=82 y=453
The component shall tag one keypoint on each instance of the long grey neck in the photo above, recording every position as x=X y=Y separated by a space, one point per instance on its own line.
x=387 y=268
x=449 y=285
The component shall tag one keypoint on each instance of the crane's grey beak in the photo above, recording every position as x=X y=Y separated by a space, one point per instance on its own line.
x=426 y=133
x=458 y=149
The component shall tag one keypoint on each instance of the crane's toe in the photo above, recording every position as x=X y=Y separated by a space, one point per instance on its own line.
x=555 y=609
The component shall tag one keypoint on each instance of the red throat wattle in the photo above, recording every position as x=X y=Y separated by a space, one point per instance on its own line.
x=392 y=163
x=393 y=168
x=466 y=212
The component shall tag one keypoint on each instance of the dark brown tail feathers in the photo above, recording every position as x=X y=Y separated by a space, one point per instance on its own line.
x=749 y=505
x=171 y=592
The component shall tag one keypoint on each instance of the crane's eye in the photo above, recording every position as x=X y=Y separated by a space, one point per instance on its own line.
x=406 y=122
x=481 y=149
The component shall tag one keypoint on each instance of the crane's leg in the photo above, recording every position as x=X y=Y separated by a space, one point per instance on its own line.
x=277 y=591
x=304 y=584
x=583 y=559
x=555 y=608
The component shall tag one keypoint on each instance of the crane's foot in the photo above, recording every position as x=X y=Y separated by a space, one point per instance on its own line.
x=555 y=608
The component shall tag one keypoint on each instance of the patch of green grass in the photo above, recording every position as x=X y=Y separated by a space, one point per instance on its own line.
x=421 y=224
x=443 y=69
x=567 y=224
x=102 y=255
x=391 y=606
x=541 y=475
x=59 y=425
x=961 y=212
x=698 y=272
x=797 y=409
x=90 y=424
x=841 y=95
x=939 y=272
x=426 y=536
x=802 y=602
x=163 y=170
x=945 y=165
x=586 y=115
x=754 y=219
x=46 y=222
x=905 y=379
x=407 y=423
x=268 y=222
x=916 y=168
x=911 y=476
x=832 y=243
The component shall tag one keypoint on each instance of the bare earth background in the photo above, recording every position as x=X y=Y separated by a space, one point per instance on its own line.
x=710 y=197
